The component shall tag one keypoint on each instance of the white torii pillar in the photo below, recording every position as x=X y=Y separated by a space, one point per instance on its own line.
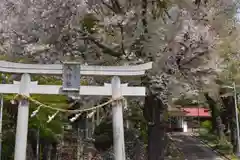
x=22 y=119
x=26 y=87
x=117 y=118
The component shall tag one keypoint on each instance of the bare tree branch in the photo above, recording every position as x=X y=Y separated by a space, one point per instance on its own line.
x=115 y=7
x=105 y=49
x=122 y=38
x=144 y=15
x=195 y=56
x=108 y=6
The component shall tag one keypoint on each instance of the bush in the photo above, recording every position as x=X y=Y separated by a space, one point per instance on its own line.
x=209 y=137
x=207 y=125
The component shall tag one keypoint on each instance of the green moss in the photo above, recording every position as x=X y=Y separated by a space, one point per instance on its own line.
x=212 y=140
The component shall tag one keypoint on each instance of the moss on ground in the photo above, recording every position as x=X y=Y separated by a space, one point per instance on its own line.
x=212 y=141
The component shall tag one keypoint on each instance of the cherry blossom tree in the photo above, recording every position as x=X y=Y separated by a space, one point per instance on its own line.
x=179 y=37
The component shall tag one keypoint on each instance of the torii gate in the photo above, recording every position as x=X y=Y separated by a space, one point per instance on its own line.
x=71 y=72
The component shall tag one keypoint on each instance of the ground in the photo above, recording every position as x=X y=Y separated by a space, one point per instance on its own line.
x=193 y=149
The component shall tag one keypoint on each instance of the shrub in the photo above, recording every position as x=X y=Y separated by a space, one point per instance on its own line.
x=207 y=125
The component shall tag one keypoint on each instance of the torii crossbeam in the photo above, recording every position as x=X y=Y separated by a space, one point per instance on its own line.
x=57 y=69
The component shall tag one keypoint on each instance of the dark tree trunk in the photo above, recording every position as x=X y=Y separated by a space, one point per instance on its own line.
x=225 y=119
x=217 y=125
x=214 y=118
x=46 y=147
x=54 y=151
x=154 y=111
x=233 y=135
x=214 y=115
x=30 y=153
x=32 y=142
x=230 y=110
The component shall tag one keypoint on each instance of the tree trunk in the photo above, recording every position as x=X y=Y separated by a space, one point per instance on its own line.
x=214 y=118
x=46 y=150
x=154 y=111
x=54 y=151
x=233 y=135
x=32 y=142
x=30 y=153
x=230 y=110
x=212 y=107
x=225 y=119
x=217 y=125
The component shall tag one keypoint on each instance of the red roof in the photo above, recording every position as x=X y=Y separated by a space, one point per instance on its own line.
x=196 y=112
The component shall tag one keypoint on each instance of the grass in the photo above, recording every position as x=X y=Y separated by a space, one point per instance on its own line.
x=213 y=141
x=233 y=157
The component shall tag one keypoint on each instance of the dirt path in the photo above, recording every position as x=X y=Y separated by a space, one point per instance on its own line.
x=192 y=148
